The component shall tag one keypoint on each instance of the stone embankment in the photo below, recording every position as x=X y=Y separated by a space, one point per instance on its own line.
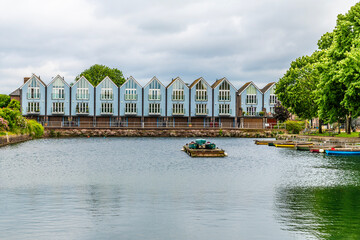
x=12 y=139
x=241 y=133
x=319 y=139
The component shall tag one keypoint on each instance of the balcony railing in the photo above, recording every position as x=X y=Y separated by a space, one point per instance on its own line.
x=251 y=102
x=253 y=114
x=155 y=97
x=130 y=97
x=57 y=96
x=33 y=96
x=32 y=111
x=111 y=112
x=224 y=98
x=106 y=96
x=225 y=113
x=200 y=98
x=58 y=111
x=178 y=97
x=84 y=96
x=178 y=112
x=200 y=111
x=82 y=112
x=132 y=112
x=155 y=112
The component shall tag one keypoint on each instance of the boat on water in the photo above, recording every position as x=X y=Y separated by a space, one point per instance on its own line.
x=285 y=144
x=343 y=151
x=264 y=142
x=202 y=148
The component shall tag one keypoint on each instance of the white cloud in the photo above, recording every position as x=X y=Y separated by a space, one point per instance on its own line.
x=242 y=40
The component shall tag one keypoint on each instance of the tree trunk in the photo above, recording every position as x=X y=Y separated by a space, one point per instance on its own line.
x=320 y=125
x=339 y=127
x=348 y=124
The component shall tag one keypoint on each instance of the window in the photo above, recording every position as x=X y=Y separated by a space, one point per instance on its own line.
x=82 y=108
x=57 y=107
x=201 y=91
x=272 y=110
x=106 y=108
x=224 y=109
x=130 y=108
x=154 y=108
x=82 y=91
x=273 y=98
x=33 y=107
x=178 y=91
x=251 y=95
x=251 y=111
x=178 y=109
x=33 y=89
x=154 y=90
x=130 y=90
x=58 y=91
x=224 y=91
x=201 y=109
x=106 y=90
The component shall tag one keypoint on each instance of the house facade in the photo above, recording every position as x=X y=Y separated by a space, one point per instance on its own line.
x=33 y=95
x=201 y=100
x=154 y=106
x=131 y=94
x=58 y=100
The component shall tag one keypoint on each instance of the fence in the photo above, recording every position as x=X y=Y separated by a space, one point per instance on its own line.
x=118 y=124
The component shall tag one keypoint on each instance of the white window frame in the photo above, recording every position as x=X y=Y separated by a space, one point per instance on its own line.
x=33 y=107
x=82 y=93
x=130 y=94
x=154 y=108
x=178 y=109
x=106 y=94
x=33 y=90
x=82 y=108
x=272 y=109
x=251 y=111
x=224 y=109
x=130 y=108
x=201 y=109
x=58 y=93
x=155 y=94
x=251 y=99
x=107 y=108
x=273 y=99
x=58 y=108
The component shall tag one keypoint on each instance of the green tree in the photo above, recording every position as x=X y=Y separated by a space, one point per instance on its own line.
x=96 y=73
x=280 y=113
x=4 y=100
x=14 y=104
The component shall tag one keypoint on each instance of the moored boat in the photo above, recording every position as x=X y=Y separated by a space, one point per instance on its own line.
x=263 y=142
x=202 y=148
x=343 y=151
x=285 y=144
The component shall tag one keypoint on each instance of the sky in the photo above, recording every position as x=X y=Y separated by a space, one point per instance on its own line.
x=241 y=40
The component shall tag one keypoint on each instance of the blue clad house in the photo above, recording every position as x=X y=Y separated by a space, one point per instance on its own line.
x=154 y=103
x=58 y=100
x=177 y=103
x=224 y=103
x=33 y=95
x=269 y=98
x=107 y=103
x=131 y=103
x=201 y=102
x=82 y=102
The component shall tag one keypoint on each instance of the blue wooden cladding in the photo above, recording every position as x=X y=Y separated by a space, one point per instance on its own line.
x=154 y=101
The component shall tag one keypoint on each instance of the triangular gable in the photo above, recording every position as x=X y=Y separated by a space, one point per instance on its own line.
x=199 y=80
x=249 y=84
x=36 y=77
x=107 y=77
x=219 y=82
x=82 y=77
x=130 y=78
x=268 y=87
x=154 y=79
x=174 y=80
x=61 y=78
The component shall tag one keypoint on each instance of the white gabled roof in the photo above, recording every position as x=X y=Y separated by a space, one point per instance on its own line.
x=130 y=78
x=37 y=78
x=82 y=77
x=249 y=84
x=154 y=79
x=107 y=77
x=61 y=78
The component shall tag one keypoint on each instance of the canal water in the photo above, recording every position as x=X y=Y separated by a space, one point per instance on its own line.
x=146 y=188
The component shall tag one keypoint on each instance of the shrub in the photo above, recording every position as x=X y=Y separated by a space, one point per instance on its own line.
x=3 y=124
x=295 y=126
x=14 y=104
x=4 y=100
x=35 y=129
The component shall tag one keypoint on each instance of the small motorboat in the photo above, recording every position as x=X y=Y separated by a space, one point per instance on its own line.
x=202 y=148
x=263 y=142
x=343 y=151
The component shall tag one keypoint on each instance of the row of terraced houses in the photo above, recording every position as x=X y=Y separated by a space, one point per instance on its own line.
x=178 y=104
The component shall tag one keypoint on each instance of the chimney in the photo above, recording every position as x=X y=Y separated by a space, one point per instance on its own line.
x=25 y=79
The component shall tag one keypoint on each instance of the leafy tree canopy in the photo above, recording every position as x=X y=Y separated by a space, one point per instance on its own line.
x=4 y=100
x=14 y=104
x=96 y=73
x=281 y=113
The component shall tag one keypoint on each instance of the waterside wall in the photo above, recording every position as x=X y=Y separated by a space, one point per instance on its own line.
x=12 y=139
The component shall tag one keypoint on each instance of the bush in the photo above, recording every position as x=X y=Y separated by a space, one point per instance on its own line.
x=14 y=104
x=3 y=125
x=35 y=129
x=4 y=100
x=295 y=126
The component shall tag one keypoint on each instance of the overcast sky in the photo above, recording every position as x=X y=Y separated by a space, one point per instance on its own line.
x=239 y=39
